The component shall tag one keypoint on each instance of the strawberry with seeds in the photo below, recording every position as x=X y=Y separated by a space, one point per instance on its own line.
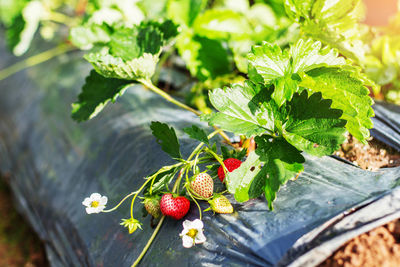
x=175 y=207
x=220 y=204
x=152 y=206
x=202 y=185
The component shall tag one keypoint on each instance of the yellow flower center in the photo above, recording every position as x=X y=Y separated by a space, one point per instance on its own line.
x=192 y=233
x=94 y=204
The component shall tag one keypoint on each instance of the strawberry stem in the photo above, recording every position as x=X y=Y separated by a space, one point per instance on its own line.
x=119 y=204
x=155 y=89
x=195 y=201
x=188 y=163
x=35 y=60
x=149 y=242
x=137 y=193
x=218 y=158
x=166 y=168
x=157 y=228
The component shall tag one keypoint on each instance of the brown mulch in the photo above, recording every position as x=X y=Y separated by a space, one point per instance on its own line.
x=377 y=248
x=381 y=246
x=19 y=245
x=372 y=156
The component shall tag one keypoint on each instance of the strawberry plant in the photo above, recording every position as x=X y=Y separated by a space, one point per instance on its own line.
x=287 y=78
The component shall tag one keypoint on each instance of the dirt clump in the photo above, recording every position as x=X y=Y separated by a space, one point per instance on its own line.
x=371 y=156
x=19 y=245
x=377 y=248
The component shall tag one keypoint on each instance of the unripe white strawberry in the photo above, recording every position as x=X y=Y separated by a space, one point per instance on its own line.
x=220 y=204
x=202 y=185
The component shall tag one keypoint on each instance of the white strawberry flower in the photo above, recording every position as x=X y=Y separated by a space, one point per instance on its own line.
x=95 y=203
x=192 y=233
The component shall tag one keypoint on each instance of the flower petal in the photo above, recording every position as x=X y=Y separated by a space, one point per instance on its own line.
x=184 y=232
x=187 y=241
x=86 y=202
x=197 y=224
x=187 y=224
x=95 y=196
x=103 y=200
x=89 y=210
x=200 y=238
x=98 y=209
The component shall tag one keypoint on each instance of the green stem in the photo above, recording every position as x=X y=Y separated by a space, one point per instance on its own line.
x=155 y=89
x=154 y=176
x=155 y=230
x=216 y=157
x=198 y=147
x=137 y=193
x=160 y=92
x=61 y=18
x=119 y=204
x=149 y=242
x=34 y=60
x=195 y=201
x=178 y=180
x=195 y=162
x=164 y=57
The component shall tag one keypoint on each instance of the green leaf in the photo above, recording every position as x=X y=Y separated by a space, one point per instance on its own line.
x=96 y=93
x=313 y=126
x=274 y=162
x=184 y=12
x=282 y=162
x=205 y=58
x=20 y=33
x=233 y=153
x=166 y=137
x=197 y=133
x=9 y=10
x=240 y=111
x=222 y=24
x=318 y=69
x=124 y=43
x=248 y=180
x=333 y=22
x=162 y=180
x=85 y=36
x=131 y=53
x=348 y=93
x=13 y=33
x=278 y=67
x=114 y=67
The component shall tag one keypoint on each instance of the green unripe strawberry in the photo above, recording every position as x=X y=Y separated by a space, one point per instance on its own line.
x=152 y=206
x=202 y=185
x=220 y=204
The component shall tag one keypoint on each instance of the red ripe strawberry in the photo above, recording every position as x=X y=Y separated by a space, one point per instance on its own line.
x=230 y=164
x=203 y=185
x=152 y=206
x=220 y=204
x=175 y=207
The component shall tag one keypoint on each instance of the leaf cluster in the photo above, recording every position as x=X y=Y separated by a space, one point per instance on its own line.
x=300 y=99
x=119 y=55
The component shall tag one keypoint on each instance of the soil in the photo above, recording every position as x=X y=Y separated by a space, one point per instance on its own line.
x=372 y=156
x=379 y=247
x=19 y=245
